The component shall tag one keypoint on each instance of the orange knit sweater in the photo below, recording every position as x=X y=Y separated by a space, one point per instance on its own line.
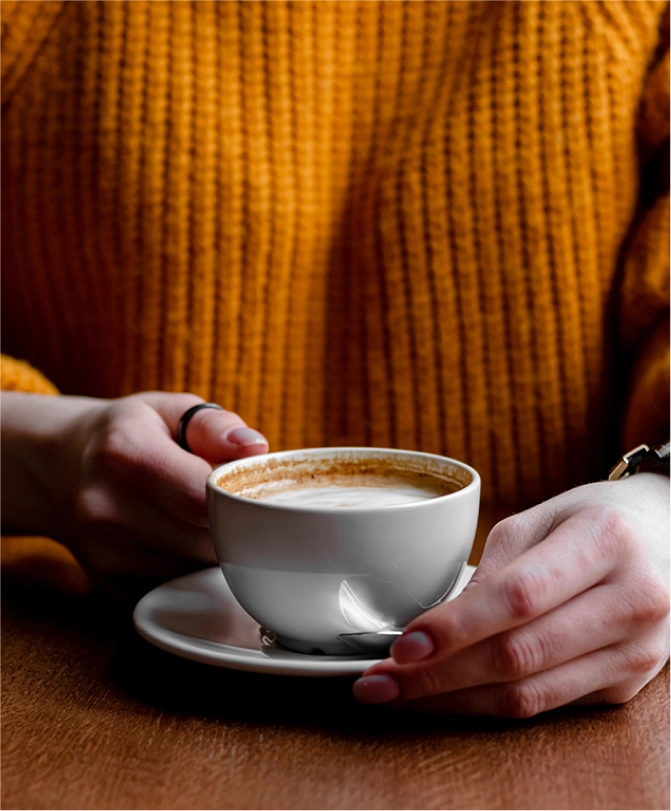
x=425 y=225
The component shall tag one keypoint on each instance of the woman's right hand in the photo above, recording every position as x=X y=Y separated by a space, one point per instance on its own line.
x=108 y=480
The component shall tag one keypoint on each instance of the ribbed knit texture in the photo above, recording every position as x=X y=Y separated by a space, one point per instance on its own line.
x=17 y=375
x=397 y=224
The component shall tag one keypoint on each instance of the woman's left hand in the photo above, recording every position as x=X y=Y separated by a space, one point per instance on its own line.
x=570 y=604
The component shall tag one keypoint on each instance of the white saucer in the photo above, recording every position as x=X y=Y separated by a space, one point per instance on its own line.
x=198 y=618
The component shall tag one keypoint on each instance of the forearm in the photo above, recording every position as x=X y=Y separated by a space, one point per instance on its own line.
x=35 y=430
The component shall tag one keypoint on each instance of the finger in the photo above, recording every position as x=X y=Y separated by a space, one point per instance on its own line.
x=142 y=452
x=220 y=436
x=595 y=619
x=116 y=515
x=611 y=674
x=213 y=434
x=140 y=455
x=526 y=697
x=574 y=557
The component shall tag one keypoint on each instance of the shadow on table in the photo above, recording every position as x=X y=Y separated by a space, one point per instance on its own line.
x=180 y=685
x=153 y=677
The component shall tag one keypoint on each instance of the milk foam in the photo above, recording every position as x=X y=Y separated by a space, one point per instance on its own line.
x=333 y=496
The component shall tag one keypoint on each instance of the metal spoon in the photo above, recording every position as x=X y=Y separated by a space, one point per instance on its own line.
x=372 y=643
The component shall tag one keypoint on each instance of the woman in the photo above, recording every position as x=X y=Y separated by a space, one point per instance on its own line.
x=422 y=225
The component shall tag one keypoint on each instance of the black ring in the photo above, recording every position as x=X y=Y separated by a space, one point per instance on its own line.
x=185 y=419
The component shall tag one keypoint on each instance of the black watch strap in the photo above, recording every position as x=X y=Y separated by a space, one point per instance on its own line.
x=642 y=455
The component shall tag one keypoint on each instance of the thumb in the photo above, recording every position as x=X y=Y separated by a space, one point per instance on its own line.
x=214 y=435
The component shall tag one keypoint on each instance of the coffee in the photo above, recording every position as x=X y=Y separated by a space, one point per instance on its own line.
x=342 y=484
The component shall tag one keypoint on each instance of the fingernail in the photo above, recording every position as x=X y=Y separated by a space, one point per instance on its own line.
x=376 y=689
x=412 y=647
x=245 y=436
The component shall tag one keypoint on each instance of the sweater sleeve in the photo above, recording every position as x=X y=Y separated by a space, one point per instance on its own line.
x=643 y=311
x=18 y=375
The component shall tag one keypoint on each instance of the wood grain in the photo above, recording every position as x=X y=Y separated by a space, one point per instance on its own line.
x=94 y=717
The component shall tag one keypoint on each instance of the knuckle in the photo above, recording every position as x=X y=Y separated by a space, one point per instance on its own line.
x=522 y=700
x=651 y=604
x=644 y=658
x=93 y=509
x=515 y=656
x=613 y=529
x=501 y=532
x=115 y=449
x=502 y=535
x=522 y=593
x=621 y=693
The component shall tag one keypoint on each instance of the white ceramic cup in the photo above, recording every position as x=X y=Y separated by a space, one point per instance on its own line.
x=313 y=575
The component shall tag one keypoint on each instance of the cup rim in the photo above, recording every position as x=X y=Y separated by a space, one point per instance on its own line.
x=474 y=484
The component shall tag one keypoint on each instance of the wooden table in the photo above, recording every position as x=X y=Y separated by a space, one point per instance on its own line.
x=94 y=717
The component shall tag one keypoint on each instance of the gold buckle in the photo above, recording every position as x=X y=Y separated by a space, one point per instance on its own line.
x=629 y=462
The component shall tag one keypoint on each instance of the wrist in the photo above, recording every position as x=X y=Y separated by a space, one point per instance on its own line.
x=39 y=459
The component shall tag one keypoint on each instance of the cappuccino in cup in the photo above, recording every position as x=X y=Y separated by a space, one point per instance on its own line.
x=339 y=483
x=325 y=543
